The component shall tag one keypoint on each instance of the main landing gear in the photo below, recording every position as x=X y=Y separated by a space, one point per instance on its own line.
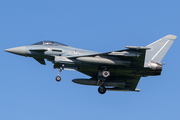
x=58 y=78
x=102 y=76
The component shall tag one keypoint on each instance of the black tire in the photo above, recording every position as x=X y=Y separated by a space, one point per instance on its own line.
x=58 y=78
x=102 y=90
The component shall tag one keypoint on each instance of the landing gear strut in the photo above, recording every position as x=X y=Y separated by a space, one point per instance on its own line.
x=58 y=78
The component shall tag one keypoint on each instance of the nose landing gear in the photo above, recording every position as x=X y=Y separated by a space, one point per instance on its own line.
x=58 y=78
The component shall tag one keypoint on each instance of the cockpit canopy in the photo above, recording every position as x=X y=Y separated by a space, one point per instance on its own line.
x=49 y=43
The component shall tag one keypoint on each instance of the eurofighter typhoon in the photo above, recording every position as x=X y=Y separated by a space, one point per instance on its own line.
x=115 y=71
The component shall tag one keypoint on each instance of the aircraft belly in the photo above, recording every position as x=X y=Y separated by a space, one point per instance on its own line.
x=116 y=71
x=92 y=70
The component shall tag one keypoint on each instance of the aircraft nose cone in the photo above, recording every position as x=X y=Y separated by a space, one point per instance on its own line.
x=17 y=50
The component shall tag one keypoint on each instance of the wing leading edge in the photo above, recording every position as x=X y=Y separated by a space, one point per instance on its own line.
x=134 y=56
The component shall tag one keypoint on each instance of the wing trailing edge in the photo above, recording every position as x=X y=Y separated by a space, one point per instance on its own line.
x=119 y=89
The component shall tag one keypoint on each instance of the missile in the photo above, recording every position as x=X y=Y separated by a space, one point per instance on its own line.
x=126 y=53
x=100 y=60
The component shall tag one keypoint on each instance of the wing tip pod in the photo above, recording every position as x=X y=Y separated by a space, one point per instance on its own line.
x=171 y=37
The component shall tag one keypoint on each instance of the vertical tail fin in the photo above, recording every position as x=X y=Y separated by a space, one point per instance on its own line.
x=159 y=49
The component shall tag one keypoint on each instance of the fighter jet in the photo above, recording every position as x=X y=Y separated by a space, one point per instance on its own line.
x=114 y=71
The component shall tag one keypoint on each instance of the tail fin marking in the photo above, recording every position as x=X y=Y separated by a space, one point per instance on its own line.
x=159 y=48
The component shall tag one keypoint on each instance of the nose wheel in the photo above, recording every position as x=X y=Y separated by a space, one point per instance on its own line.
x=58 y=78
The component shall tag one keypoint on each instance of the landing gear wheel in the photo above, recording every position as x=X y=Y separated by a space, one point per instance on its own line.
x=58 y=78
x=105 y=73
x=101 y=89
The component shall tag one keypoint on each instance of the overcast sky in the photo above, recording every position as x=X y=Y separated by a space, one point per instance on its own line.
x=28 y=90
